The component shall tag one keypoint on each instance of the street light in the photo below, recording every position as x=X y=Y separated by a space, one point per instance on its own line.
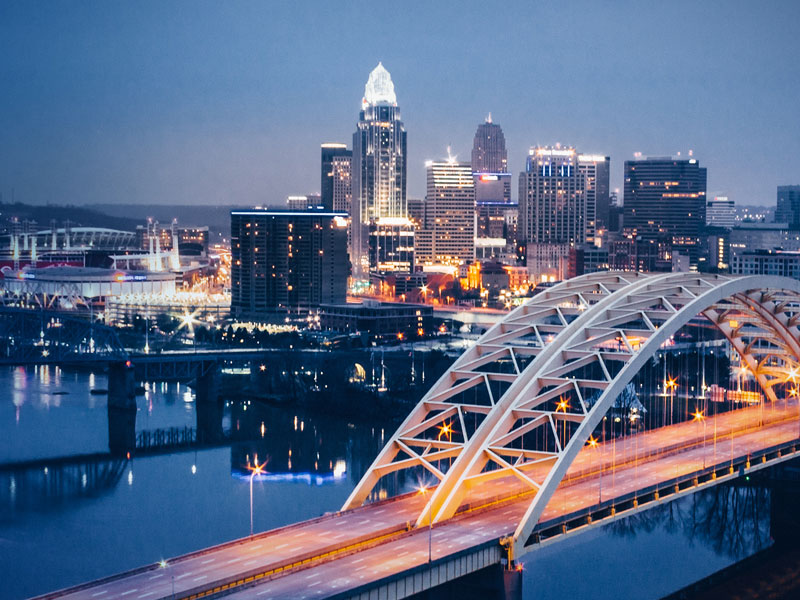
x=165 y=565
x=445 y=430
x=424 y=490
x=563 y=405
x=593 y=444
x=671 y=383
x=257 y=470
x=698 y=416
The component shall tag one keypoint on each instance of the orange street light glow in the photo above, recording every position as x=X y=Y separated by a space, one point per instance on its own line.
x=445 y=430
x=592 y=442
x=698 y=416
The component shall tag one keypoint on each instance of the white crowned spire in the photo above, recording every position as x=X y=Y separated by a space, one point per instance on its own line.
x=379 y=88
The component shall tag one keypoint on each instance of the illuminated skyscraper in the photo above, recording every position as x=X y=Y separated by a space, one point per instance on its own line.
x=379 y=168
x=553 y=212
x=447 y=234
x=552 y=198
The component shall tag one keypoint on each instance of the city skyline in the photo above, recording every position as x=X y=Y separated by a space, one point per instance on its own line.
x=229 y=105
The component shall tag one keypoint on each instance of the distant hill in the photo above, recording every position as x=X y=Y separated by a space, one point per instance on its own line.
x=78 y=216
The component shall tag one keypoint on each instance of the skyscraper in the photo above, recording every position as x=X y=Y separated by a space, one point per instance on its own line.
x=379 y=166
x=492 y=180
x=489 y=149
x=788 y=208
x=552 y=198
x=335 y=182
x=552 y=209
x=665 y=199
x=447 y=234
x=597 y=170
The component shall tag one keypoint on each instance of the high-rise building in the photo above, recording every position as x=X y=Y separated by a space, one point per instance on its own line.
x=286 y=261
x=597 y=171
x=335 y=184
x=489 y=149
x=666 y=198
x=721 y=212
x=492 y=180
x=379 y=166
x=552 y=198
x=788 y=208
x=448 y=231
x=553 y=212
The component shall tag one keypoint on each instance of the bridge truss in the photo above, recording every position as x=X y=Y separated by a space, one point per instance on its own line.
x=526 y=398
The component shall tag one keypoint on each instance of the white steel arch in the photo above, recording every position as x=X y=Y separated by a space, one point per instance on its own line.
x=587 y=337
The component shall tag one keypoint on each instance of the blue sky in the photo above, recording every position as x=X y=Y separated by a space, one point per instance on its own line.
x=227 y=102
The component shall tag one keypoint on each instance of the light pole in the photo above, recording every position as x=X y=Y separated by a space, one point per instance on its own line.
x=671 y=384
x=698 y=416
x=424 y=491
x=165 y=565
x=257 y=470
x=593 y=444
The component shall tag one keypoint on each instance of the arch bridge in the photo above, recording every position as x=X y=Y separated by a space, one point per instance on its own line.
x=520 y=405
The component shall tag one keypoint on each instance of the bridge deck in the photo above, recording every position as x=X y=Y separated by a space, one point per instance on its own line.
x=341 y=553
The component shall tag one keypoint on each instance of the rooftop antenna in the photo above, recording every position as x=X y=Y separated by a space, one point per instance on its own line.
x=489 y=118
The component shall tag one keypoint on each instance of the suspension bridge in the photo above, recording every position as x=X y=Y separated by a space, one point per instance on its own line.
x=600 y=397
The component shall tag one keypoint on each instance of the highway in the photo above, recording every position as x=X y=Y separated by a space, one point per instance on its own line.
x=337 y=552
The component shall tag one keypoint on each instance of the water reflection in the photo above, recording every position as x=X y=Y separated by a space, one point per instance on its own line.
x=733 y=520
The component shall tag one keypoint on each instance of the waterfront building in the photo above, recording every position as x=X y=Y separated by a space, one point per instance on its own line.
x=385 y=319
x=335 y=177
x=287 y=261
x=721 y=212
x=79 y=288
x=447 y=233
x=788 y=205
x=666 y=197
x=378 y=167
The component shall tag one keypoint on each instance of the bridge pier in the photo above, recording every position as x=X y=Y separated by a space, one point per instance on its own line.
x=121 y=409
x=491 y=583
x=208 y=404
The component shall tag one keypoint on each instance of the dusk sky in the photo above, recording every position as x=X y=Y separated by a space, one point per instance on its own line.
x=228 y=102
